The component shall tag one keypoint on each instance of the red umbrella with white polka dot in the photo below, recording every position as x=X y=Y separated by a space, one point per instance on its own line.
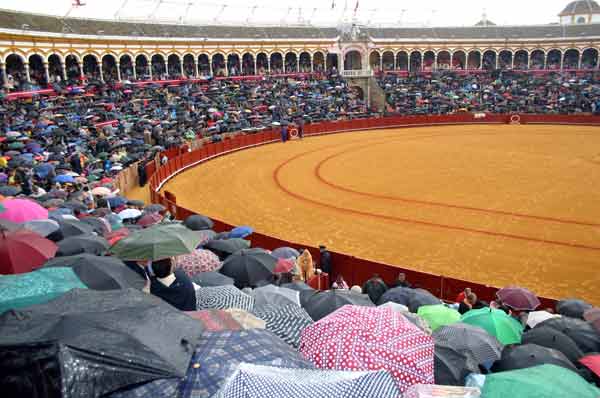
x=371 y=338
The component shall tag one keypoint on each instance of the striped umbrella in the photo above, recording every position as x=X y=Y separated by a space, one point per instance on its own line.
x=222 y=298
x=470 y=340
x=287 y=322
x=276 y=382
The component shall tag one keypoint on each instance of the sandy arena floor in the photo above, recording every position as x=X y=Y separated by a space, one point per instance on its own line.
x=492 y=204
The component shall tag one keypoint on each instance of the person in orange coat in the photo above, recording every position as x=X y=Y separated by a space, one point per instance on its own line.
x=305 y=263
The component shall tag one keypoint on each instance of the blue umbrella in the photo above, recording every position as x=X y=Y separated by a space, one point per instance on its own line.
x=64 y=178
x=218 y=353
x=43 y=170
x=241 y=232
x=117 y=201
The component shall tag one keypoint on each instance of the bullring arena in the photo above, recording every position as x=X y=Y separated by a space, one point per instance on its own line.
x=485 y=203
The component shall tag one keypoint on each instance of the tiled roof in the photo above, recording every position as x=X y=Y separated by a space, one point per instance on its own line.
x=489 y=32
x=51 y=24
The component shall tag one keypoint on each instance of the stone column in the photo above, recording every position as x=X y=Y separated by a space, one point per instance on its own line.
x=196 y=73
x=134 y=71
x=26 y=66
x=512 y=61
x=269 y=64
x=118 y=64
x=63 y=70
x=46 y=73
x=101 y=72
x=166 y=67
x=497 y=60
x=562 y=61
x=181 y=66
x=2 y=75
x=298 y=63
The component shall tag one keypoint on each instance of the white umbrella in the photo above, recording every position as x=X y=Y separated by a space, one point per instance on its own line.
x=129 y=214
x=535 y=317
x=101 y=191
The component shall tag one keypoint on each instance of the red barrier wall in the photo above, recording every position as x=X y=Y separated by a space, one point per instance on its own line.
x=355 y=270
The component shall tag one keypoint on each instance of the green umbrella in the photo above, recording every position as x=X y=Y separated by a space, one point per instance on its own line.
x=544 y=381
x=155 y=243
x=41 y=286
x=438 y=315
x=497 y=323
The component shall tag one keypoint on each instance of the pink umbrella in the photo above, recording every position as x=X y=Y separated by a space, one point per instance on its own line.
x=22 y=210
x=370 y=338
x=149 y=219
x=284 y=265
x=198 y=261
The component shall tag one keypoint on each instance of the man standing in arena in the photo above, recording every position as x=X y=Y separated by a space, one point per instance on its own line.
x=284 y=133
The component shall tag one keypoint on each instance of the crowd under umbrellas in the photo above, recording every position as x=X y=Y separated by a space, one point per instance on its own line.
x=253 y=325
x=496 y=92
x=75 y=266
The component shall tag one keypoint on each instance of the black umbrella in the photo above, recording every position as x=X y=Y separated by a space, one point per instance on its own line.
x=529 y=355
x=581 y=332
x=420 y=297
x=451 y=366
x=197 y=222
x=306 y=292
x=225 y=247
x=88 y=343
x=136 y=203
x=74 y=205
x=91 y=244
x=572 y=307
x=374 y=288
x=210 y=279
x=412 y=298
x=98 y=225
x=249 y=266
x=321 y=304
x=398 y=295
x=70 y=228
x=100 y=273
x=551 y=338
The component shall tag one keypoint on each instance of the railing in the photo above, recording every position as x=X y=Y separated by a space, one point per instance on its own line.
x=357 y=73
x=355 y=270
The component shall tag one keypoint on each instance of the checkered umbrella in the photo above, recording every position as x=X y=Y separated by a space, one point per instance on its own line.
x=472 y=341
x=198 y=261
x=219 y=353
x=222 y=298
x=275 y=382
x=287 y=321
x=368 y=338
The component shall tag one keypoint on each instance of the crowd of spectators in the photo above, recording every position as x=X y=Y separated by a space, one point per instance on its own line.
x=494 y=92
x=60 y=154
